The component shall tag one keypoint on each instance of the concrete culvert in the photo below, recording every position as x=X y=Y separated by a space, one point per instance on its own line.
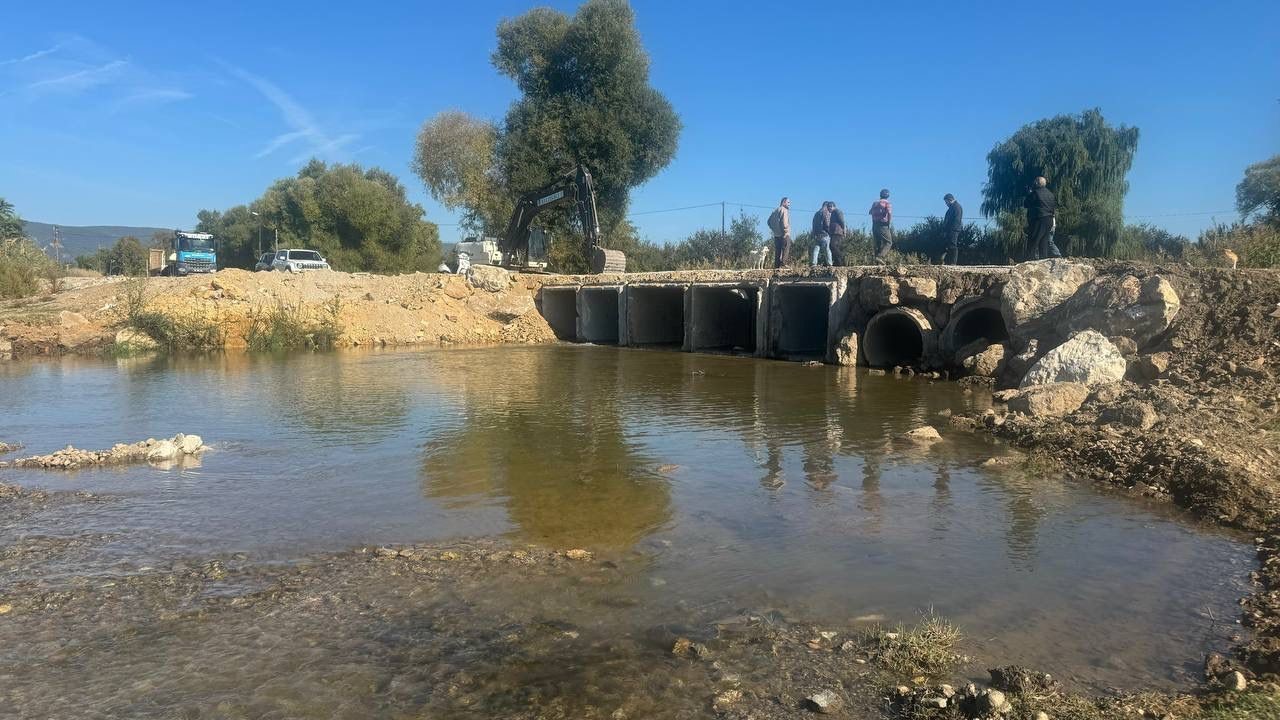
x=974 y=319
x=897 y=336
x=802 y=315
x=598 y=314
x=724 y=319
x=559 y=306
x=655 y=315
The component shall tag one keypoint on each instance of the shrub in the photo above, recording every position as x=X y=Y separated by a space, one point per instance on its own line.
x=288 y=328
x=22 y=267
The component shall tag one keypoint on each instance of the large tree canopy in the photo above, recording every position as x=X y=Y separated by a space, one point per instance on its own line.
x=585 y=99
x=358 y=219
x=1085 y=161
x=1259 y=191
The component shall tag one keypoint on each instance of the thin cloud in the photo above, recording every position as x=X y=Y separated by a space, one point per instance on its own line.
x=302 y=124
x=33 y=56
x=151 y=96
x=81 y=78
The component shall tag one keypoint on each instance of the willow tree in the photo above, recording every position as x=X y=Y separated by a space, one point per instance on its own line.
x=1085 y=161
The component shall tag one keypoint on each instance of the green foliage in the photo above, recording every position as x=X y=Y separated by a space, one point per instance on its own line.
x=22 y=267
x=288 y=328
x=1152 y=244
x=1257 y=244
x=585 y=99
x=360 y=220
x=1085 y=161
x=454 y=157
x=1259 y=191
x=716 y=249
x=10 y=223
x=126 y=257
x=194 y=331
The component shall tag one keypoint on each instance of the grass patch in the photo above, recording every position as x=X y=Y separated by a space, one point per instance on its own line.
x=926 y=649
x=195 y=331
x=285 y=327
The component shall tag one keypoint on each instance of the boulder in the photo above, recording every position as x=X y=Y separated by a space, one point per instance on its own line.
x=825 y=702
x=847 y=348
x=917 y=289
x=163 y=450
x=1149 y=367
x=1126 y=345
x=1018 y=365
x=923 y=434
x=1052 y=400
x=1087 y=358
x=876 y=292
x=6 y=349
x=488 y=277
x=988 y=362
x=1005 y=396
x=136 y=339
x=1034 y=288
x=1133 y=414
x=1125 y=306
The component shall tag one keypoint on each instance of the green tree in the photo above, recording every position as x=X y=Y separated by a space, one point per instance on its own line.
x=127 y=257
x=454 y=157
x=360 y=220
x=1085 y=161
x=713 y=248
x=1259 y=191
x=10 y=223
x=585 y=98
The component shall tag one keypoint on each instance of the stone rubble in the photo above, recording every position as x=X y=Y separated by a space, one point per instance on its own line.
x=150 y=450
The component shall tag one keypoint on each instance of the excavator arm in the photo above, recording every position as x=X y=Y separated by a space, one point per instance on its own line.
x=574 y=188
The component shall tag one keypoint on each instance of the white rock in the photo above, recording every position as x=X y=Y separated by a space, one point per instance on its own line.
x=1034 y=288
x=1087 y=358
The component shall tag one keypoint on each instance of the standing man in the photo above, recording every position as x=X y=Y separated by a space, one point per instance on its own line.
x=821 y=234
x=1041 y=207
x=837 y=234
x=882 y=224
x=951 y=225
x=780 y=226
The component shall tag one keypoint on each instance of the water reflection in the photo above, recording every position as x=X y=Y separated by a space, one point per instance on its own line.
x=547 y=438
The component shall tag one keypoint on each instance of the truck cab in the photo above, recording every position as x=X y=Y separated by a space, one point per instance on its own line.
x=189 y=253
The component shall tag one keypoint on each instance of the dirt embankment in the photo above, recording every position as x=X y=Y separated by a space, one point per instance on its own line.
x=425 y=309
x=1201 y=427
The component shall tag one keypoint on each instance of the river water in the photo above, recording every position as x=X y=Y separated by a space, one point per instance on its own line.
x=741 y=483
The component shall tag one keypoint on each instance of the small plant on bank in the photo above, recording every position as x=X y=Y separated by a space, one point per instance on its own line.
x=926 y=649
x=22 y=267
x=193 y=331
x=285 y=327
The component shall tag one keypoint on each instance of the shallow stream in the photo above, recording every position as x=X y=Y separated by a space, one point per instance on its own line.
x=716 y=482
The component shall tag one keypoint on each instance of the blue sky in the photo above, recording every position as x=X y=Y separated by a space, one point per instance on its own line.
x=142 y=113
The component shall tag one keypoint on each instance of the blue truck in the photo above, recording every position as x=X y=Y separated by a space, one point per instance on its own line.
x=188 y=253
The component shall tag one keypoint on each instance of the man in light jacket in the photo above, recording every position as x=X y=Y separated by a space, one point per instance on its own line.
x=780 y=226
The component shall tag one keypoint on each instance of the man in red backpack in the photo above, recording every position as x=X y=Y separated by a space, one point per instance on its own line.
x=882 y=224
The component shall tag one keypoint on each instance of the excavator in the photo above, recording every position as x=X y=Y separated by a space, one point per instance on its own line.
x=523 y=247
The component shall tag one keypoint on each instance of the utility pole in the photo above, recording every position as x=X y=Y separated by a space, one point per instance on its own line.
x=276 y=232
x=722 y=218
x=56 y=245
x=259 y=216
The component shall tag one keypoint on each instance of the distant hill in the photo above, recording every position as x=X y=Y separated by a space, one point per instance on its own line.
x=85 y=239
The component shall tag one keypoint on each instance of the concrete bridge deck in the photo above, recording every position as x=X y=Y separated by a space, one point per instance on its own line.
x=908 y=315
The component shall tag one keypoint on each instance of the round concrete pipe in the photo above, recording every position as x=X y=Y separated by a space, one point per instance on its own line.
x=975 y=318
x=897 y=336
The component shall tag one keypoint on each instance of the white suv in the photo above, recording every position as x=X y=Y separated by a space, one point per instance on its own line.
x=298 y=260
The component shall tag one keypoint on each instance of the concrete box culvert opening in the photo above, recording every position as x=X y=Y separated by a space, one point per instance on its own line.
x=975 y=321
x=724 y=319
x=803 y=313
x=898 y=336
x=655 y=315
x=559 y=307
x=598 y=314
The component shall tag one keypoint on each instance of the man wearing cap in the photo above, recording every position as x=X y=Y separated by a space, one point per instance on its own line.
x=1041 y=207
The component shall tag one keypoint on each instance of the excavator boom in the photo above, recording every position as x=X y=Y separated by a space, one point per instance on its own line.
x=574 y=187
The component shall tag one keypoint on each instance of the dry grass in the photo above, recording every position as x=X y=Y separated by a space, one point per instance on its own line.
x=926 y=649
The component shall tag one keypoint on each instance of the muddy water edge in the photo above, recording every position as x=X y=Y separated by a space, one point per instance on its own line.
x=630 y=534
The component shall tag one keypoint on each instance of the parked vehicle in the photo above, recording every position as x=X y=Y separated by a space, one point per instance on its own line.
x=264 y=262
x=187 y=253
x=297 y=260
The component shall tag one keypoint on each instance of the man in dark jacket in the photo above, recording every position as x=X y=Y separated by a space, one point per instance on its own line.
x=836 y=229
x=1041 y=207
x=882 y=225
x=951 y=225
